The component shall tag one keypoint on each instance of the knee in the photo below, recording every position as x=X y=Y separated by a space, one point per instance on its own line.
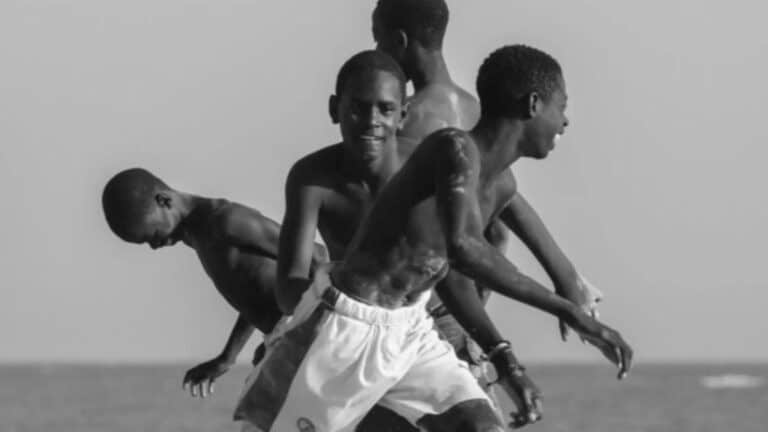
x=468 y=416
x=481 y=426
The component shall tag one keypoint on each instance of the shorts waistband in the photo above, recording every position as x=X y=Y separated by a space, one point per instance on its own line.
x=348 y=306
x=343 y=304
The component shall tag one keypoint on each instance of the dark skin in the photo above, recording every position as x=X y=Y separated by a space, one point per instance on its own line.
x=331 y=189
x=237 y=247
x=433 y=213
x=438 y=102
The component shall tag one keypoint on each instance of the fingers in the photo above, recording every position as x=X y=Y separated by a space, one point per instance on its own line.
x=626 y=361
x=531 y=412
x=197 y=385
x=202 y=389
x=564 y=330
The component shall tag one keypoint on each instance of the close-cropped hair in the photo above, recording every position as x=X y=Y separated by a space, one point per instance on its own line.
x=422 y=20
x=127 y=197
x=367 y=61
x=512 y=72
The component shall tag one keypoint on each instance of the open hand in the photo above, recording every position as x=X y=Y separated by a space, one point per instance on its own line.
x=608 y=341
x=523 y=392
x=199 y=380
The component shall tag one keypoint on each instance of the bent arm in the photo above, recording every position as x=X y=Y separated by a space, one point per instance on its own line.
x=297 y=249
x=523 y=220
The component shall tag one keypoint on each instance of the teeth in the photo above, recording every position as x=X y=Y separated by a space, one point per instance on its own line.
x=557 y=137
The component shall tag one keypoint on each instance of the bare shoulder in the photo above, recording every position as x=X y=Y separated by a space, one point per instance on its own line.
x=470 y=107
x=230 y=216
x=451 y=144
x=316 y=168
x=506 y=187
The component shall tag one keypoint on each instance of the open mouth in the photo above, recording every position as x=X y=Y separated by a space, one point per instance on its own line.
x=370 y=138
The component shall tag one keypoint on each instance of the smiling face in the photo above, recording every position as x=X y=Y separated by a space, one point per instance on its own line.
x=547 y=123
x=370 y=111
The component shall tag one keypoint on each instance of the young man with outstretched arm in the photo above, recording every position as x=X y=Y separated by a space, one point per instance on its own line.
x=361 y=334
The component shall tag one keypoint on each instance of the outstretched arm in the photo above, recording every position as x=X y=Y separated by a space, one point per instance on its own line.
x=523 y=220
x=456 y=185
x=459 y=295
x=297 y=239
x=199 y=380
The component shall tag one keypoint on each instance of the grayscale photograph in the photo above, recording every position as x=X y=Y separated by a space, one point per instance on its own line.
x=383 y=216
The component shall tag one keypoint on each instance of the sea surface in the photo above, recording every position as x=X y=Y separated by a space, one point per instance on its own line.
x=577 y=398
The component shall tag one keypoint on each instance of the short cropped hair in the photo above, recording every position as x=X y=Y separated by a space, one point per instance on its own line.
x=367 y=61
x=422 y=20
x=127 y=198
x=512 y=72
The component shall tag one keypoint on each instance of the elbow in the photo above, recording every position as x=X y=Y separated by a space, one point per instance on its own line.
x=463 y=251
x=319 y=256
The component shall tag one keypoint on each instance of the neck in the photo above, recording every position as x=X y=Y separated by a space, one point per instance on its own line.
x=192 y=208
x=498 y=141
x=429 y=68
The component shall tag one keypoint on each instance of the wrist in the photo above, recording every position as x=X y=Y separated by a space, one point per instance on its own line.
x=503 y=358
x=227 y=358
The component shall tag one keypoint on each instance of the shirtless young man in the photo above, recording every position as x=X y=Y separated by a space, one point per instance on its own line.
x=369 y=338
x=237 y=247
x=412 y=32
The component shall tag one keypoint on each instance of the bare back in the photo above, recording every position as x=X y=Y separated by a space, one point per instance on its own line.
x=400 y=249
x=438 y=106
x=244 y=274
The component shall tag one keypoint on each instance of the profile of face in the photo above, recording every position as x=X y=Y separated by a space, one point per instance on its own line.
x=388 y=40
x=369 y=111
x=160 y=224
x=546 y=124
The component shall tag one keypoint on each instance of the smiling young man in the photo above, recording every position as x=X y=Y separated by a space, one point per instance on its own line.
x=236 y=245
x=361 y=334
x=412 y=32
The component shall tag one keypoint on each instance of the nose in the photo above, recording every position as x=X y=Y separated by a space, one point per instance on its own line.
x=372 y=116
x=566 y=121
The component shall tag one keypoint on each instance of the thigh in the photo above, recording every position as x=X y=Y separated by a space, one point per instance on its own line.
x=437 y=382
x=467 y=416
x=381 y=419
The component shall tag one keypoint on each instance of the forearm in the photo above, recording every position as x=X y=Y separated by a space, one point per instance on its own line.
x=523 y=220
x=238 y=337
x=461 y=299
x=478 y=260
x=289 y=294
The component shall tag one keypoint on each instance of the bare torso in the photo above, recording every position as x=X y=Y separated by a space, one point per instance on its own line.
x=245 y=277
x=400 y=250
x=437 y=106
x=343 y=201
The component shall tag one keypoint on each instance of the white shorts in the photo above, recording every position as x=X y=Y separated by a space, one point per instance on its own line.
x=328 y=365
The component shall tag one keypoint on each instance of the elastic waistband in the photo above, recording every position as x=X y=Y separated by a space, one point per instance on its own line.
x=343 y=304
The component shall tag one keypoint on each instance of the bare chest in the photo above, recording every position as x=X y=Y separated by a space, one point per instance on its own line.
x=340 y=215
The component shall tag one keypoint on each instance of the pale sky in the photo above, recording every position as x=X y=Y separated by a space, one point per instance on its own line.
x=656 y=192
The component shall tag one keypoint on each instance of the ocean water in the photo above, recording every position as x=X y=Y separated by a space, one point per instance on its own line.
x=577 y=398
